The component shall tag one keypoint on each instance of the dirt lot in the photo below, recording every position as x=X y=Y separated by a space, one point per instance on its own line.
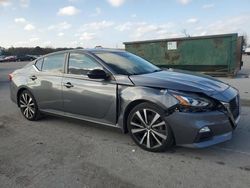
x=59 y=152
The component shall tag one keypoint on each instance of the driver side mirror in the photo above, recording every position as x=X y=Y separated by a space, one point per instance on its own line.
x=97 y=74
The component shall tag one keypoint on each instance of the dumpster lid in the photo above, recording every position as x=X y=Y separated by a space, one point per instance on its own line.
x=182 y=38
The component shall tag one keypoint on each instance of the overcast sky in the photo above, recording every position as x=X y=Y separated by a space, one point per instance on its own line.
x=109 y=23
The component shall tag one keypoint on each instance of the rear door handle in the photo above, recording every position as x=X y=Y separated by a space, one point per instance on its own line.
x=68 y=85
x=33 y=77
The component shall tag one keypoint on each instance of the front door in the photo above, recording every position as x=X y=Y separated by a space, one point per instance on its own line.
x=92 y=99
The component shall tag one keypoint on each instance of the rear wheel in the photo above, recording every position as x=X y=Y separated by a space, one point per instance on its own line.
x=148 y=128
x=28 y=106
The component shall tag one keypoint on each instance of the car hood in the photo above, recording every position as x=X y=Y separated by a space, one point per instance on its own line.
x=180 y=80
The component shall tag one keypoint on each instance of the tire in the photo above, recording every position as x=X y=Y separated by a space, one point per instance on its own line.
x=149 y=129
x=28 y=106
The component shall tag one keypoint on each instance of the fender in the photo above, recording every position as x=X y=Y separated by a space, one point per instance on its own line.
x=129 y=97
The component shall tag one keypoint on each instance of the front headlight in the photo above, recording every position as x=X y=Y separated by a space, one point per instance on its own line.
x=191 y=102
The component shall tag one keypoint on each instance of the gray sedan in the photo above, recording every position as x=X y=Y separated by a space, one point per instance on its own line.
x=159 y=108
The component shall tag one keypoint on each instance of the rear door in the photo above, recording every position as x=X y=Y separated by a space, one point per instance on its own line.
x=46 y=82
x=92 y=99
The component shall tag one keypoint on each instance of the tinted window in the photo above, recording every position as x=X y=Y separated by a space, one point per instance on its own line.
x=81 y=64
x=126 y=63
x=39 y=64
x=54 y=63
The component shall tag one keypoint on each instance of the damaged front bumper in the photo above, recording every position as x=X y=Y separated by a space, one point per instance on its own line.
x=199 y=130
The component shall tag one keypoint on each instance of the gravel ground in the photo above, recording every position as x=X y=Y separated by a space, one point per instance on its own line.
x=59 y=152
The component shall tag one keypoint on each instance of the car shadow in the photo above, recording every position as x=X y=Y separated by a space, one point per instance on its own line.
x=222 y=154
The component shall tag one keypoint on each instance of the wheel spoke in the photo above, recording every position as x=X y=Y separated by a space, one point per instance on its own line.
x=32 y=104
x=158 y=124
x=30 y=100
x=24 y=98
x=145 y=134
x=137 y=125
x=23 y=106
x=156 y=138
x=161 y=131
x=29 y=113
x=159 y=134
x=31 y=110
x=156 y=117
x=145 y=115
x=137 y=130
x=148 y=140
x=22 y=102
x=26 y=112
x=140 y=117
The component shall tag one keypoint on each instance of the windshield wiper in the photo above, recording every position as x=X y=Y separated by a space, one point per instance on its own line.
x=157 y=70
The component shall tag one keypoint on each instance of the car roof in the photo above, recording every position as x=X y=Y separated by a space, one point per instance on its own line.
x=91 y=50
x=104 y=50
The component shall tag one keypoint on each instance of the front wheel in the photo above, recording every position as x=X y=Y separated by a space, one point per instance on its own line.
x=28 y=106
x=148 y=128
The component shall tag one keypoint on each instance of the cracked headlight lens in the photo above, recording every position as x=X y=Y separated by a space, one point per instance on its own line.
x=192 y=102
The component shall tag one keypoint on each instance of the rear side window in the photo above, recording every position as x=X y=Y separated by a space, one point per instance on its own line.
x=81 y=64
x=39 y=64
x=54 y=63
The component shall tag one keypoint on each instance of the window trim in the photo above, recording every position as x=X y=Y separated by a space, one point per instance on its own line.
x=41 y=65
x=36 y=69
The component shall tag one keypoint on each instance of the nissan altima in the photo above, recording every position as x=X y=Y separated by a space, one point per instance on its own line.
x=158 y=108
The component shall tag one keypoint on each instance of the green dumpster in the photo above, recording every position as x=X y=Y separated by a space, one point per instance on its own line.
x=216 y=55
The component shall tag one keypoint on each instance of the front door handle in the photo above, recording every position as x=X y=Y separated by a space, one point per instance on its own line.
x=68 y=85
x=33 y=77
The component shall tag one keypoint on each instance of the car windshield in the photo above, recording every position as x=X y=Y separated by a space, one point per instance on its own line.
x=125 y=63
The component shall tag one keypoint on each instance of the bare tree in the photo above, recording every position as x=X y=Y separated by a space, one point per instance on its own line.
x=245 y=38
x=186 y=34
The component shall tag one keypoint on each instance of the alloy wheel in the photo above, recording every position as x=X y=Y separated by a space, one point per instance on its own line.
x=148 y=128
x=27 y=105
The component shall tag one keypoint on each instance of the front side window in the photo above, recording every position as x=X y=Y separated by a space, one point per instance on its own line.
x=54 y=63
x=81 y=64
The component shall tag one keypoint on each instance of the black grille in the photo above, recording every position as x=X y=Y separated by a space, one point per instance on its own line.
x=234 y=107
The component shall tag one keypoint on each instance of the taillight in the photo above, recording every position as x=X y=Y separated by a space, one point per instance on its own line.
x=10 y=76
